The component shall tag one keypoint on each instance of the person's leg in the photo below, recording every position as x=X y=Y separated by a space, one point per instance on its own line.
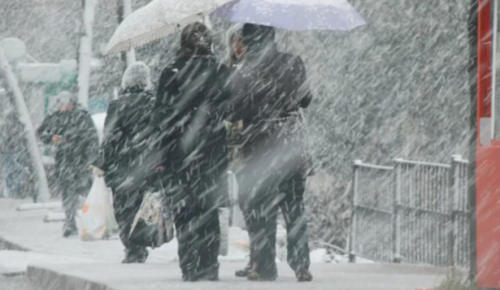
x=67 y=183
x=243 y=202
x=248 y=268
x=126 y=206
x=263 y=243
x=263 y=215
x=185 y=222
x=292 y=207
x=209 y=243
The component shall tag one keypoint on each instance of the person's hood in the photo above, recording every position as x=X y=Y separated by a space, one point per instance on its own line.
x=137 y=75
x=66 y=97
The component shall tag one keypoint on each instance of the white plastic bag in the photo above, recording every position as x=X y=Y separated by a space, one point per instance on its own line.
x=153 y=224
x=97 y=219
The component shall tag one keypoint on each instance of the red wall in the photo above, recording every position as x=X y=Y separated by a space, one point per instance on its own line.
x=487 y=166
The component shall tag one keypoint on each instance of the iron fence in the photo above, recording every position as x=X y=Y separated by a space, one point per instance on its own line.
x=412 y=212
x=372 y=212
x=460 y=212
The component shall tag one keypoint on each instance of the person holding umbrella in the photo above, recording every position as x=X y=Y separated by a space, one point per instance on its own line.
x=268 y=92
x=188 y=115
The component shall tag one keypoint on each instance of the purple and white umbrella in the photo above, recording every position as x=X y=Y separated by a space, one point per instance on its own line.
x=295 y=15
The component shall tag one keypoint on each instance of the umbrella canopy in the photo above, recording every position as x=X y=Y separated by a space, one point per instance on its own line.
x=158 y=19
x=295 y=15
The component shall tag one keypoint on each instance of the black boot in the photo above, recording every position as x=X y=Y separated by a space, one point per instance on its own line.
x=304 y=276
x=210 y=274
x=69 y=229
x=189 y=276
x=267 y=273
x=135 y=255
x=245 y=271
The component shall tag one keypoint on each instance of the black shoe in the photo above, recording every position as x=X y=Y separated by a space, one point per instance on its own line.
x=189 y=277
x=211 y=274
x=269 y=273
x=245 y=271
x=69 y=232
x=304 y=276
x=255 y=276
x=137 y=255
x=69 y=229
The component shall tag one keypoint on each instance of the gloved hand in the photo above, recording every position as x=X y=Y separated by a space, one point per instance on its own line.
x=96 y=170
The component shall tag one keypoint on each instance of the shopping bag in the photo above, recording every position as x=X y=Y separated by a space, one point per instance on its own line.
x=153 y=224
x=97 y=220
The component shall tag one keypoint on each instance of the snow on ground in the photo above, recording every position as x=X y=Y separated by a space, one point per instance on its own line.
x=15 y=262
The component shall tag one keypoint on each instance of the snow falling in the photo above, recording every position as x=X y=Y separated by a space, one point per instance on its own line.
x=390 y=109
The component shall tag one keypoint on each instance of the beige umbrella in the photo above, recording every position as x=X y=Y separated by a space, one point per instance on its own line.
x=158 y=19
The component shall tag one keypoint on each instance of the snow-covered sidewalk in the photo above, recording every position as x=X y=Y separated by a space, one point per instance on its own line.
x=73 y=261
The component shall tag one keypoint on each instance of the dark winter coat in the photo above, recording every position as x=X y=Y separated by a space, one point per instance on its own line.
x=80 y=139
x=189 y=114
x=125 y=145
x=268 y=92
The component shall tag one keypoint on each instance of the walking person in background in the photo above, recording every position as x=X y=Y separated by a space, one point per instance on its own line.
x=268 y=91
x=74 y=134
x=189 y=114
x=124 y=153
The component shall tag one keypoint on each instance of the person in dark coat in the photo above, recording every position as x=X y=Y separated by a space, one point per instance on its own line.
x=269 y=90
x=73 y=132
x=124 y=153
x=189 y=114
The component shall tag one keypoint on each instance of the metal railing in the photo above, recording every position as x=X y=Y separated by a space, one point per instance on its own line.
x=413 y=212
x=460 y=219
x=372 y=212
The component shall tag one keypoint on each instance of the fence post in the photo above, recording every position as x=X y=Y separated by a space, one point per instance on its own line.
x=354 y=197
x=396 y=221
x=452 y=205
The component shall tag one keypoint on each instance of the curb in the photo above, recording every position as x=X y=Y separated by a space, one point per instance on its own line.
x=11 y=246
x=52 y=280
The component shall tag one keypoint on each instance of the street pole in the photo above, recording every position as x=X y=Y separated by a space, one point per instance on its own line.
x=124 y=10
x=472 y=70
x=127 y=10
x=85 y=52
x=43 y=186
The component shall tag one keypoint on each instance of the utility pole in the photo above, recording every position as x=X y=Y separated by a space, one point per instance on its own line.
x=124 y=10
x=43 y=194
x=85 y=52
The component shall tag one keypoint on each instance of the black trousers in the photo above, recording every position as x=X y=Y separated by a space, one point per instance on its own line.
x=198 y=235
x=260 y=205
x=72 y=183
x=126 y=205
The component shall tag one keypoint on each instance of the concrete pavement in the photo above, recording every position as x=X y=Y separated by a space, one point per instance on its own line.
x=56 y=263
x=156 y=276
